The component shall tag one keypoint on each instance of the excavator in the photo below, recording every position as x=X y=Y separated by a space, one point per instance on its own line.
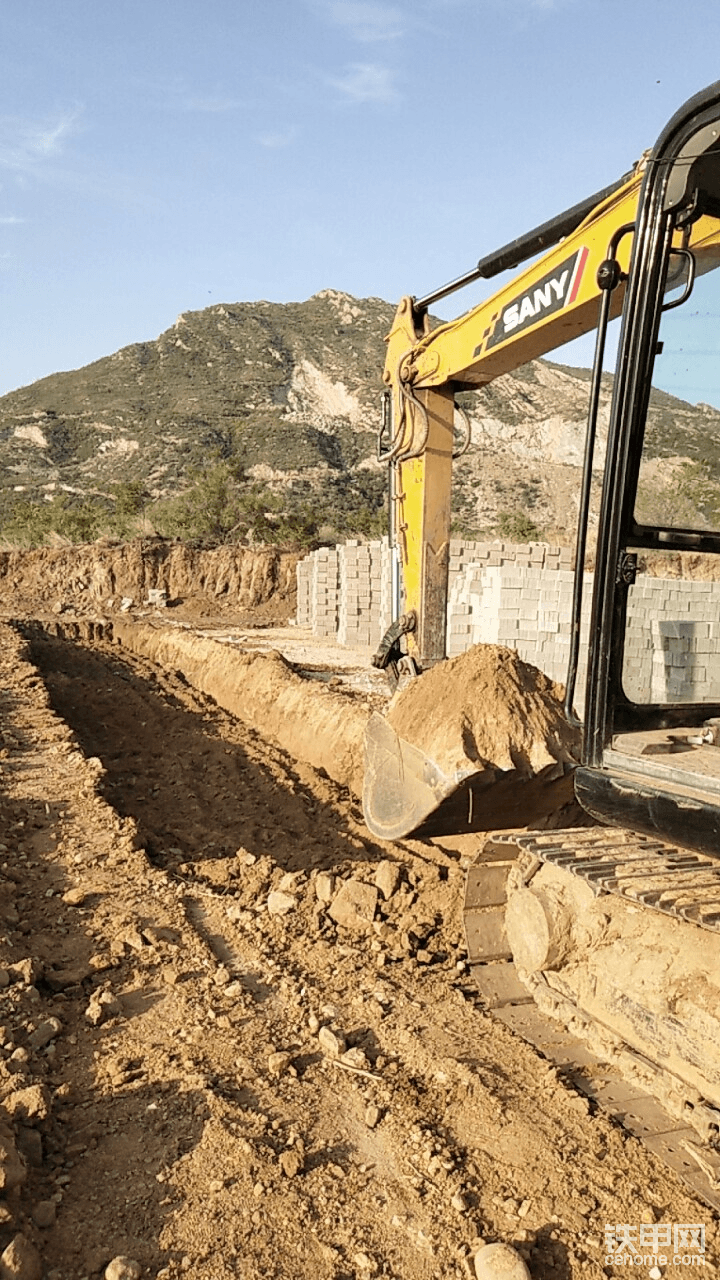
x=599 y=943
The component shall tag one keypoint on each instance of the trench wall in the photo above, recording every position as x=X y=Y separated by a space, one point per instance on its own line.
x=521 y=596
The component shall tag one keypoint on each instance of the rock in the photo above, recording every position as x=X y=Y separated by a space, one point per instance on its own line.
x=123 y=1269
x=500 y=1262
x=72 y=976
x=279 y=903
x=387 y=878
x=365 y=1265
x=291 y=1163
x=354 y=905
x=130 y=939
x=372 y=1115
x=13 y=1170
x=331 y=1042
x=278 y=1063
x=32 y=1103
x=44 y=1214
x=44 y=1033
x=26 y=971
x=459 y=1203
x=20 y=1261
x=75 y=897
x=103 y=1005
x=126 y=603
x=289 y=882
x=324 y=886
x=4 y=978
x=355 y=1058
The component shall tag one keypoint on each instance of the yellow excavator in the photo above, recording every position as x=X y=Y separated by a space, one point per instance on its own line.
x=600 y=944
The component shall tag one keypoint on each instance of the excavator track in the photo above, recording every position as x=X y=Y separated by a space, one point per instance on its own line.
x=652 y=876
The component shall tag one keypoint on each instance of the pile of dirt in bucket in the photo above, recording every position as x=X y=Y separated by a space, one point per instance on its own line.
x=486 y=709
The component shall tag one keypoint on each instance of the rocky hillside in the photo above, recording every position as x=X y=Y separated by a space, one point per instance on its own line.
x=289 y=393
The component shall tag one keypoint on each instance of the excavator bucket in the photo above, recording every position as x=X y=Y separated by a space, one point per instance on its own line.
x=404 y=789
x=407 y=793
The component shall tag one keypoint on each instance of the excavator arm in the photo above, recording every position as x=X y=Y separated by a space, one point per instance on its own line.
x=551 y=302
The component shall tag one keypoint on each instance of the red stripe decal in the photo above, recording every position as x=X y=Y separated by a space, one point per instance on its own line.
x=577 y=275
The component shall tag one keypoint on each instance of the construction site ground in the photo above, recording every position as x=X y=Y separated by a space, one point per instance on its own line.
x=237 y=1035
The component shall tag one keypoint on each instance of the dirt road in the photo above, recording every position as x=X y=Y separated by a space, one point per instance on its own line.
x=207 y=1068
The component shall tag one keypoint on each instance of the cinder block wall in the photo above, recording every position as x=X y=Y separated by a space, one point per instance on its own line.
x=521 y=596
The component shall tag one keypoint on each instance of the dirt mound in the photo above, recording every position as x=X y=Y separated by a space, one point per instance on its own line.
x=98 y=576
x=486 y=709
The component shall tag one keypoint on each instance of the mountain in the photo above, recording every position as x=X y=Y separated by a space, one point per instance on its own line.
x=290 y=392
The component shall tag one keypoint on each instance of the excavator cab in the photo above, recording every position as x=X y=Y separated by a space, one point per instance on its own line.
x=644 y=249
x=651 y=757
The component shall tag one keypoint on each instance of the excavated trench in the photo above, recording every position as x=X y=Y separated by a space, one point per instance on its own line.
x=198 y=783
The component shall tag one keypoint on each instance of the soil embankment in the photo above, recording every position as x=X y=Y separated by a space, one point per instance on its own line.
x=257 y=582
x=312 y=722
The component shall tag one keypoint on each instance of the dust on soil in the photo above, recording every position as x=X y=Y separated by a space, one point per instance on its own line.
x=192 y=906
x=485 y=708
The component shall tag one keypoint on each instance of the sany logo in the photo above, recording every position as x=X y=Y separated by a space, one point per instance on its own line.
x=551 y=293
x=542 y=300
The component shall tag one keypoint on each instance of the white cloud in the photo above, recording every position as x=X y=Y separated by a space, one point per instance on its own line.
x=26 y=144
x=366 y=82
x=10 y=221
x=364 y=20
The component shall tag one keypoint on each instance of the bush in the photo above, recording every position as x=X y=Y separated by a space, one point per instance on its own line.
x=516 y=526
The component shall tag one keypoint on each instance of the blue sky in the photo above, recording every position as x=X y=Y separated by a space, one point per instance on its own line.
x=158 y=156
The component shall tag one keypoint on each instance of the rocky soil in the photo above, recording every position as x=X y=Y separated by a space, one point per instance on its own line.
x=103 y=579
x=238 y=1037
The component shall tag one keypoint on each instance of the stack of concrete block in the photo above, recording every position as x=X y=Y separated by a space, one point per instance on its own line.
x=675 y=674
x=305 y=596
x=521 y=597
x=353 y=627
x=673 y=632
x=320 y=587
x=364 y=593
x=520 y=607
x=538 y=555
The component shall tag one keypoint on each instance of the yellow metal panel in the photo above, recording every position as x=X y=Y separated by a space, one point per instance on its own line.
x=424 y=485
